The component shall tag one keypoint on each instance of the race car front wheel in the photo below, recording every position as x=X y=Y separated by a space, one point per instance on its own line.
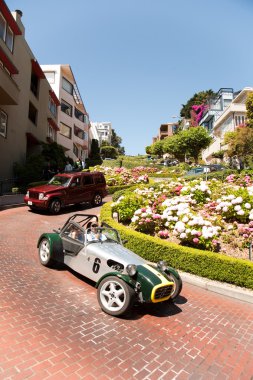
x=177 y=285
x=115 y=296
x=44 y=253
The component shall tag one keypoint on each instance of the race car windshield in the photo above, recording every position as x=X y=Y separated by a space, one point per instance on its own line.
x=59 y=181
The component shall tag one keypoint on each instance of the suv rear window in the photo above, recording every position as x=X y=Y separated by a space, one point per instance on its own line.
x=99 y=179
x=87 y=180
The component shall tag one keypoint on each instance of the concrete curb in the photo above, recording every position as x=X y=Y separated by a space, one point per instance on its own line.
x=225 y=289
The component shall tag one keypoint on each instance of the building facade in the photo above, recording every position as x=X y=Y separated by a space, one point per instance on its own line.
x=28 y=104
x=165 y=130
x=74 y=121
x=232 y=116
x=102 y=131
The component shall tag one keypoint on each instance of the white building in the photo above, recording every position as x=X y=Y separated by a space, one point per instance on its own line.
x=102 y=131
x=232 y=116
x=74 y=121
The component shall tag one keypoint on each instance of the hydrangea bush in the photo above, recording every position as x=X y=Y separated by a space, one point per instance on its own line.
x=203 y=214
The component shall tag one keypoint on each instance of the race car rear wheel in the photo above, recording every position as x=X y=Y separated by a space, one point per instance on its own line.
x=115 y=297
x=177 y=285
x=45 y=253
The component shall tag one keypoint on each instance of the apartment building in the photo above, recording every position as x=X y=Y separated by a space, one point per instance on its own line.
x=102 y=131
x=28 y=104
x=74 y=121
x=233 y=115
x=165 y=130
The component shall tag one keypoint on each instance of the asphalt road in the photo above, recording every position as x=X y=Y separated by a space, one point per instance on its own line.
x=52 y=327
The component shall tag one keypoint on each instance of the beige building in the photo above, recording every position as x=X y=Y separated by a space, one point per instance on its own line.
x=28 y=105
x=74 y=121
x=165 y=130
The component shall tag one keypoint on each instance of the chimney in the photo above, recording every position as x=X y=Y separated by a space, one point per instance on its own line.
x=17 y=14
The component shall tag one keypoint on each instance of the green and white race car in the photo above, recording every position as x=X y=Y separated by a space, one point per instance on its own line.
x=121 y=276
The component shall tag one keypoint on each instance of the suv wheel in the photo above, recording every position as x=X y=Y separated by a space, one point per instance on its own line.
x=55 y=206
x=97 y=200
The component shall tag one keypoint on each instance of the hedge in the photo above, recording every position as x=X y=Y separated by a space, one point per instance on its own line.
x=207 y=264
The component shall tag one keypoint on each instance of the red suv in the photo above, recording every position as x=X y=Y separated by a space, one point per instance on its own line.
x=65 y=189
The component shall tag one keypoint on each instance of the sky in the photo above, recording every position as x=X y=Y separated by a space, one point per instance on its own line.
x=136 y=62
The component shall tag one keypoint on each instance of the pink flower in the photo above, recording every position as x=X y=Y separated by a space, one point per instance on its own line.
x=195 y=241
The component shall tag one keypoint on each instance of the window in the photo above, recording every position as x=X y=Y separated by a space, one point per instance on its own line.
x=87 y=180
x=52 y=106
x=2 y=27
x=6 y=33
x=34 y=84
x=50 y=132
x=65 y=130
x=75 y=150
x=32 y=114
x=66 y=108
x=239 y=120
x=3 y=124
x=67 y=86
x=50 y=75
x=85 y=136
x=79 y=115
x=86 y=119
x=9 y=39
x=78 y=132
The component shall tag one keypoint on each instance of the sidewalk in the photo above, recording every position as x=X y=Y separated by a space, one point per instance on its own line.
x=10 y=201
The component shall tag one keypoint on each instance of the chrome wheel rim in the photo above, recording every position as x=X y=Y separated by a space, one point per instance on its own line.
x=57 y=206
x=97 y=199
x=44 y=251
x=113 y=296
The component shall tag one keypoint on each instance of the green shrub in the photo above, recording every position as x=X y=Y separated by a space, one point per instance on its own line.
x=202 y=263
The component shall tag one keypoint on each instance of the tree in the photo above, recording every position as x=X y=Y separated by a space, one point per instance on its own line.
x=195 y=140
x=249 y=107
x=175 y=146
x=240 y=142
x=157 y=148
x=116 y=141
x=109 y=152
x=197 y=99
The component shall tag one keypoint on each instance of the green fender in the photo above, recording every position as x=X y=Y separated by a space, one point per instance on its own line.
x=56 y=247
x=169 y=270
x=129 y=280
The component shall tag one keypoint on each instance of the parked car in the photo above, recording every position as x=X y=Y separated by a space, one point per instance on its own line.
x=121 y=276
x=205 y=169
x=65 y=189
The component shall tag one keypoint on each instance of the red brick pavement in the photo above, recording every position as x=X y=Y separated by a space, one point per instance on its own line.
x=51 y=326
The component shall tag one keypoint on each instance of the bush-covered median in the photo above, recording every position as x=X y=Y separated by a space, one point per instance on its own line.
x=202 y=263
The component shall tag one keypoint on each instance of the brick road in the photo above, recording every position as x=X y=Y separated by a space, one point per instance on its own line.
x=51 y=326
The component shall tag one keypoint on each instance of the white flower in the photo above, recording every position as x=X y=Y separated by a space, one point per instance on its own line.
x=247 y=206
x=183 y=235
x=180 y=226
x=225 y=209
x=237 y=207
x=240 y=212
x=185 y=219
x=134 y=219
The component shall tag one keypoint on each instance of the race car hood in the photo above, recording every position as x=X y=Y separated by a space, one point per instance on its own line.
x=116 y=252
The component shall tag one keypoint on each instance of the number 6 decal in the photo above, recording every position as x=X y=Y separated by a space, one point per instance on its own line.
x=96 y=265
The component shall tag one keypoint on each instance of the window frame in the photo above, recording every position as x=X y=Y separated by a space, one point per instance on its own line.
x=64 y=80
x=33 y=108
x=66 y=126
x=4 y=133
x=69 y=107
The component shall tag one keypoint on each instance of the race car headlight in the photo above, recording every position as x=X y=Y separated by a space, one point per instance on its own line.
x=162 y=265
x=131 y=269
x=42 y=197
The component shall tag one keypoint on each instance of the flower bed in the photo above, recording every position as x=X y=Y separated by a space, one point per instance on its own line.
x=212 y=215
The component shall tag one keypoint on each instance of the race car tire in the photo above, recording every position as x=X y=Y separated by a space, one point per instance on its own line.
x=115 y=296
x=45 y=255
x=177 y=285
